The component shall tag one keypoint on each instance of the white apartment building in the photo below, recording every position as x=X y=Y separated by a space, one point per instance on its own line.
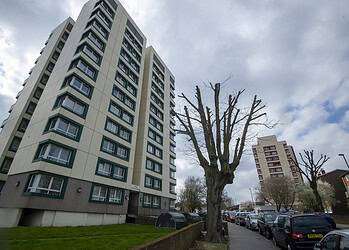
x=275 y=159
x=99 y=144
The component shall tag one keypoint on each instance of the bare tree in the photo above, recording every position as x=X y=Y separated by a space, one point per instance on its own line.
x=218 y=136
x=279 y=191
x=192 y=196
x=312 y=170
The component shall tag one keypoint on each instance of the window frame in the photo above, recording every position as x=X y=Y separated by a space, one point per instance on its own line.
x=63 y=189
x=67 y=82
x=114 y=153
x=152 y=178
x=120 y=127
x=37 y=157
x=58 y=104
x=48 y=125
x=107 y=195
x=113 y=165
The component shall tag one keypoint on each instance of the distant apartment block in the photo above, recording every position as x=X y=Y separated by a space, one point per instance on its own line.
x=274 y=159
x=91 y=137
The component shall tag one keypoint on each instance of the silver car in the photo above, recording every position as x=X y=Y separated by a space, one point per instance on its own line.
x=251 y=221
x=335 y=240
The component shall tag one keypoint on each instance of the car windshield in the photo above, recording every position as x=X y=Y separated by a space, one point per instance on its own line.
x=243 y=214
x=253 y=216
x=309 y=222
x=270 y=217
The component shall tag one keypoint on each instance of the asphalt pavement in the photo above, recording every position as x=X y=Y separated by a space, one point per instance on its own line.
x=241 y=238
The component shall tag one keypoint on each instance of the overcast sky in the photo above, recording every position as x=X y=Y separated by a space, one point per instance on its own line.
x=293 y=54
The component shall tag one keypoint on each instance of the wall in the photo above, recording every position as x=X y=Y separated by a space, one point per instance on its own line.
x=181 y=239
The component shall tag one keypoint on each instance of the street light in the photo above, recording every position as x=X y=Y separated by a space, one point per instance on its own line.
x=345 y=159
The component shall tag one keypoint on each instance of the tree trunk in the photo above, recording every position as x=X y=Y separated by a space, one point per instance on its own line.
x=319 y=206
x=214 y=216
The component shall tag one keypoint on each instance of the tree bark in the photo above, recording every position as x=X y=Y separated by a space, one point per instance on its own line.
x=319 y=206
x=214 y=216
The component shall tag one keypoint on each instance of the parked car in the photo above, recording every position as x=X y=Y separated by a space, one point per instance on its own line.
x=265 y=223
x=236 y=219
x=241 y=218
x=231 y=216
x=299 y=231
x=192 y=217
x=251 y=221
x=335 y=240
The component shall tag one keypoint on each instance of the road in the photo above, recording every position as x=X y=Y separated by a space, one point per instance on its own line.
x=241 y=238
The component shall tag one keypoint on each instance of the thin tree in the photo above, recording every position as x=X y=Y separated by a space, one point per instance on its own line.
x=312 y=170
x=192 y=196
x=279 y=191
x=218 y=138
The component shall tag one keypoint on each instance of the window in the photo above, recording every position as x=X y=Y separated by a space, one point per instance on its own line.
x=154 y=150
x=44 y=79
x=112 y=147
x=115 y=195
x=65 y=127
x=273 y=170
x=38 y=93
x=272 y=158
x=99 y=193
x=157 y=80
x=277 y=175
x=107 y=194
x=274 y=164
x=55 y=153
x=152 y=182
x=270 y=153
x=134 y=32
x=6 y=164
x=85 y=68
x=172 y=174
x=155 y=136
x=152 y=201
x=157 y=90
x=121 y=113
x=158 y=72
x=94 y=39
x=119 y=94
x=50 y=66
x=155 y=123
x=156 y=111
x=69 y=27
x=132 y=50
x=172 y=188
x=91 y=53
x=157 y=61
x=55 y=55
x=72 y=104
x=118 y=130
x=65 y=35
x=31 y=108
x=128 y=72
x=60 y=45
x=269 y=148
x=126 y=84
x=46 y=185
x=153 y=166
x=172 y=160
x=105 y=6
x=78 y=84
x=172 y=148
x=129 y=59
x=112 y=170
x=99 y=28
x=102 y=17
x=172 y=136
x=15 y=144
x=157 y=101
x=23 y=125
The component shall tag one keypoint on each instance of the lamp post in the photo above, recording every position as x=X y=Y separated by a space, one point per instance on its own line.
x=345 y=159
